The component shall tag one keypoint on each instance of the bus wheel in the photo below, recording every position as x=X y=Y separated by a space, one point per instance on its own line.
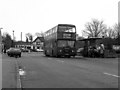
x=57 y=56
x=67 y=56
x=46 y=53
x=74 y=56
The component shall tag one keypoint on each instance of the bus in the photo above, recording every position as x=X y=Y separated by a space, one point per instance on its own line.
x=60 y=41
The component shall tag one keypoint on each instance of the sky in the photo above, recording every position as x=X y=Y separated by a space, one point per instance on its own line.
x=31 y=16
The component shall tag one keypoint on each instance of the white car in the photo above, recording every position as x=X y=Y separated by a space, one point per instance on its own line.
x=40 y=50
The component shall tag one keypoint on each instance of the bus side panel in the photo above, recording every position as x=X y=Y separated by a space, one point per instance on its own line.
x=54 y=49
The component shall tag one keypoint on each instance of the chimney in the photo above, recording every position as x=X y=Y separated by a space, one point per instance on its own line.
x=21 y=36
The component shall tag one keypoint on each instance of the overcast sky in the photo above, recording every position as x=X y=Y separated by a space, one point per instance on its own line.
x=40 y=15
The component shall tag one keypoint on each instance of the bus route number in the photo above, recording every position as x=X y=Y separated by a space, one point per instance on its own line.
x=66 y=35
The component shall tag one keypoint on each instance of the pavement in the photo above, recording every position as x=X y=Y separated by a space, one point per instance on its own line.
x=39 y=71
x=8 y=72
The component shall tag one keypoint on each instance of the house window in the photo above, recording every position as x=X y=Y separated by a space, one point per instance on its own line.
x=38 y=47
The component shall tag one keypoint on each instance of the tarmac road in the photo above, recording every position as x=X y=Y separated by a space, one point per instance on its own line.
x=50 y=72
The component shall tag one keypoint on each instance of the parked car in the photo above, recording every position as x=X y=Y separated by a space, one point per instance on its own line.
x=79 y=51
x=39 y=50
x=24 y=50
x=14 y=52
x=33 y=50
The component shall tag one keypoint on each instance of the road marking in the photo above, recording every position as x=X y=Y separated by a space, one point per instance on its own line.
x=49 y=58
x=22 y=72
x=19 y=85
x=111 y=75
x=60 y=61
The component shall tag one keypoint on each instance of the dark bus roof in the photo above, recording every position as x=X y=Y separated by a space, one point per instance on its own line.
x=88 y=39
x=71 y=25
x=66 y=25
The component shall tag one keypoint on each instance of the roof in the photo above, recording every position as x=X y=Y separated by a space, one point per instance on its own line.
x=22 y=43
x=66 y=25
x=40 y=38
x=92 y=38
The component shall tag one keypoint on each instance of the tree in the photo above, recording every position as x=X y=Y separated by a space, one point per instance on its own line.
x=95 y=28
x=6 y=39
x=110 y=33
x=26 y=39
x=29 y=36
x=41 y=34
x=117 y=29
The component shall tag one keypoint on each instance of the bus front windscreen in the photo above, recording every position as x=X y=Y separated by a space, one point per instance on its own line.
x=66 y=29
x=66 y=43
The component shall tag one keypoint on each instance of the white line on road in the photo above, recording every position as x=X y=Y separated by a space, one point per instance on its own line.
x=49 y=58
x=57 y=60
x=22 y=72
x=111 y=75
x=60 y=61
x=19 y=85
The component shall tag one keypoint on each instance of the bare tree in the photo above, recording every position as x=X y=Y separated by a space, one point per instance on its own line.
x=41 y=34
x=112 y=32
x=95 y=28
x=29 y=36
x=26 y=39
x=117 y=30
x=6 y=39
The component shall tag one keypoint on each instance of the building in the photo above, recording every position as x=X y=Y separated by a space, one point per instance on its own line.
x=36 y=44
x=21 y=44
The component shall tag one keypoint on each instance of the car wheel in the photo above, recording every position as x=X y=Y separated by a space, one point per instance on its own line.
x=20 y=55
x=16 y=56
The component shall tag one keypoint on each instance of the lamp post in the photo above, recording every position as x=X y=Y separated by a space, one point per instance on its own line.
x=13 y=39
x=13 y=35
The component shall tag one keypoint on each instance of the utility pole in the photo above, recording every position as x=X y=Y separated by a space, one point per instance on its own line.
x=21 y=36
x=118 y=16
x=13 y=39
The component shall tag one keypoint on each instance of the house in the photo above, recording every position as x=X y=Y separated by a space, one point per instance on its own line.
x=36 y=44
x=22 y=44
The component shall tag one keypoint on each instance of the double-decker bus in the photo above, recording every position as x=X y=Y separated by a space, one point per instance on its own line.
x=60 y=41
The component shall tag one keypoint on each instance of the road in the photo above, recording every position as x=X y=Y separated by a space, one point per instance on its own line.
x=39 y=71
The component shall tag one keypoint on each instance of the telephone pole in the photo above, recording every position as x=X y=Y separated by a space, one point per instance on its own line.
x=21 y=36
